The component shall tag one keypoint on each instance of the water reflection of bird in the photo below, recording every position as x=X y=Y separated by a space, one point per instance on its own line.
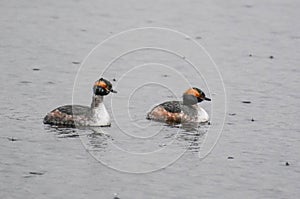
x=181 y=111
x=73 y=115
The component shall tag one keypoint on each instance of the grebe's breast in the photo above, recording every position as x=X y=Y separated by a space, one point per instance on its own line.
x=100 y=116
x=202 y=115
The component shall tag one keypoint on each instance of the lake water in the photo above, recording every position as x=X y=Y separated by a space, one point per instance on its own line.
x=44 y=64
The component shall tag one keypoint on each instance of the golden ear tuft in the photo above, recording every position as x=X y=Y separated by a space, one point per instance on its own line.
x=101 y=84
x=193 y=92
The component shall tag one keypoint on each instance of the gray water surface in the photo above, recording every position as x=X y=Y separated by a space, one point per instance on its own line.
x=41 y=45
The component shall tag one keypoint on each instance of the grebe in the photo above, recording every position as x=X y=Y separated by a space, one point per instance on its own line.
x=185 y=111
x=77 y=115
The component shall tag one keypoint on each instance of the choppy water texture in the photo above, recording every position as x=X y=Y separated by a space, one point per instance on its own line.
x=254 y=43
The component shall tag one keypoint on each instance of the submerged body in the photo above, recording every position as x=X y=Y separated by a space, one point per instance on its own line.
x=176 y=112
x=181 y=111
x=78 y=115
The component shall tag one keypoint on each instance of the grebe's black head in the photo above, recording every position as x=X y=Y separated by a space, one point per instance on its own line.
x=193 y=96
x=103 y=87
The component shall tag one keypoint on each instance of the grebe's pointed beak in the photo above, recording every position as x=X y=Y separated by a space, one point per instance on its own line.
x=113 y=91
x=207 y=99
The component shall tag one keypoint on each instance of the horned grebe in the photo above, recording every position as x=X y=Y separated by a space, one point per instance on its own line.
x=77 y=115
x=181 y=111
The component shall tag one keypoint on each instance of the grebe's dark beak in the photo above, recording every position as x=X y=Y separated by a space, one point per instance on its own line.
x=207 y=99
x=113 y=91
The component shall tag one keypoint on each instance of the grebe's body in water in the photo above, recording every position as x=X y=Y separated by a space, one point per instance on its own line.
x=77 y=115
x=176 y=112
